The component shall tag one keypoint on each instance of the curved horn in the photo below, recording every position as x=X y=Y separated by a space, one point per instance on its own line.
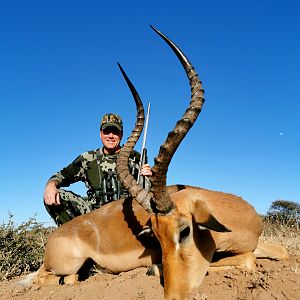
x=168 y=148
x=136 y=191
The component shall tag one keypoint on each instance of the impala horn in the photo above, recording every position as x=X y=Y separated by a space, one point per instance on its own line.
x=159 y=198
x=168 y=148
x=136 y=191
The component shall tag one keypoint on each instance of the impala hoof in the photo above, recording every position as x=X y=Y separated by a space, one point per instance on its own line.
x=155 y=270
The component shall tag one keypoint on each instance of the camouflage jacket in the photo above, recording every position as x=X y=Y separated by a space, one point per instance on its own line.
x=97 y=171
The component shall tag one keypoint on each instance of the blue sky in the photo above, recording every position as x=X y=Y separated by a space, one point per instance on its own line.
x=59 y=75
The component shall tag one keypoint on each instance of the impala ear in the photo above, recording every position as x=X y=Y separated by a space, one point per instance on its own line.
x=205 y=220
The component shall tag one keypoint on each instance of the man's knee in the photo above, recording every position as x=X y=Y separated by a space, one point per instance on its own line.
x=71 y=206
x=59 y=213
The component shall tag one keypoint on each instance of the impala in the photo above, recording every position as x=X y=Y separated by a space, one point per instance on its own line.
x=181 y=227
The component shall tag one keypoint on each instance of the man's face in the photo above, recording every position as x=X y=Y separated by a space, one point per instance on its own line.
x=111 y=138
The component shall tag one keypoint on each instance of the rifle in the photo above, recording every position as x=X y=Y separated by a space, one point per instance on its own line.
x=144 y=158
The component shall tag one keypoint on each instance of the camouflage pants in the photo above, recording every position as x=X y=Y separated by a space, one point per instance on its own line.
x=72 y=205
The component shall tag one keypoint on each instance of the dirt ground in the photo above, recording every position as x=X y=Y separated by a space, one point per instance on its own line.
x=272 y=280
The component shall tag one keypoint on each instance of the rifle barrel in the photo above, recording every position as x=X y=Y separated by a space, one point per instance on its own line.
x=143 y=152
x=146 y=127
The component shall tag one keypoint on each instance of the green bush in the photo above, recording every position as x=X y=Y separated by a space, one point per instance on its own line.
x=287 y=212
x=21 y=247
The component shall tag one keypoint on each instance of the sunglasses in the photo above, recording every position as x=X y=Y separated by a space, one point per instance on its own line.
x=111 y=129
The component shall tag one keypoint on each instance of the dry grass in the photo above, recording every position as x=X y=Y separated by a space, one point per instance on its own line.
x=285 y=233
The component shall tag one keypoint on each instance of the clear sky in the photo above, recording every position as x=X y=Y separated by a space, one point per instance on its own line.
x=59 y=75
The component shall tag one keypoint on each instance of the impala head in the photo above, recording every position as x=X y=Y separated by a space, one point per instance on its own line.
x=186 y=250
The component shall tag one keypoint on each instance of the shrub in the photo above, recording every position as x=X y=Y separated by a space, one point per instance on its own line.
x=21 y=247
x=287 y=212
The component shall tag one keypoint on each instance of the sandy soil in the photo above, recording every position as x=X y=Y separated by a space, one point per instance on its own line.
x=272 y=280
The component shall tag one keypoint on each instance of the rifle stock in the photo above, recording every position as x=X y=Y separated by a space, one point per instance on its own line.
x=144 y=160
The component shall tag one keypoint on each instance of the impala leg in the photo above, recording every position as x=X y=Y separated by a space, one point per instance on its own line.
x=245 y=261
x=71 y=279
x=155 y=270
x=45 y=277
x=271 y=251
x=51 y=279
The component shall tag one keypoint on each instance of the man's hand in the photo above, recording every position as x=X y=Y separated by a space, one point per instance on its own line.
x=51 y=194
x=146 y=170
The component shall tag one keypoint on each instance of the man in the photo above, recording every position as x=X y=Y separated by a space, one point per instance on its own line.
x=97 y=170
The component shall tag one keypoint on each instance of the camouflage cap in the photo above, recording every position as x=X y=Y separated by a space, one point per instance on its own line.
x=113 y=120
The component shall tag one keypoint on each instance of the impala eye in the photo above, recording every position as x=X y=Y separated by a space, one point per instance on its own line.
x=184 y=233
